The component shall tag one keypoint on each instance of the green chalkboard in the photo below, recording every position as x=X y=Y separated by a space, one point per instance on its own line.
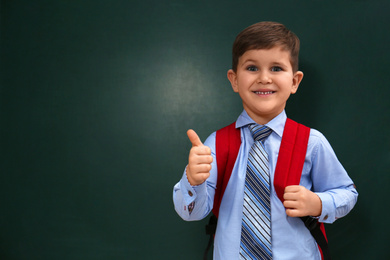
x=96 y=98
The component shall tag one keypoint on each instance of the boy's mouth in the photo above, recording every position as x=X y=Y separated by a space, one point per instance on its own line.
x=264 y=92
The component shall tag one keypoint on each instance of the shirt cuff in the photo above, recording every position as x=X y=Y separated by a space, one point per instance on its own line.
x=328 y=208
x=190 y=193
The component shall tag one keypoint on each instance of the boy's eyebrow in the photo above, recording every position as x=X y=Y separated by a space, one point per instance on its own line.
x=279 y=63
x=249 y=60
x=255 y=61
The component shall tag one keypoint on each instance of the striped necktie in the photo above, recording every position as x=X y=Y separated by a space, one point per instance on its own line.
x=256 y=221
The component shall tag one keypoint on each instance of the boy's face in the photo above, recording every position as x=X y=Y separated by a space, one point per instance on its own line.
x=264 y=80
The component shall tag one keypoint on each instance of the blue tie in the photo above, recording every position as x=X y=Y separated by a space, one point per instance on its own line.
x=256 y=221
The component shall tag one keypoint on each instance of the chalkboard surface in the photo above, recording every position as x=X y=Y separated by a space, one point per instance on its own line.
x=96 y=98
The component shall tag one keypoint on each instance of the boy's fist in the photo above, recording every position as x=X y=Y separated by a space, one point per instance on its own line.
x=301 y=202
x=199 y=160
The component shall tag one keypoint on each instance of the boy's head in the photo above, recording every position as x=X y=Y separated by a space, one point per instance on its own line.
x=266 y=35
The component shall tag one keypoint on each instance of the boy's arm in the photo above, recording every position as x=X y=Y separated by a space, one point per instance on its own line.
x=332 y=191
x=193 y=196
x=337 y=202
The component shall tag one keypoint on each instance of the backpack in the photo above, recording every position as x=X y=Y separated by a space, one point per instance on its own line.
x=288 y=171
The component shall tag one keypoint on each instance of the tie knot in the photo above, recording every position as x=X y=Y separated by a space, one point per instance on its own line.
x=260 y=132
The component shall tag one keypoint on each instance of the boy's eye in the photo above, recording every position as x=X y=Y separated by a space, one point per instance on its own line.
x=252 y=68
x=276 y=68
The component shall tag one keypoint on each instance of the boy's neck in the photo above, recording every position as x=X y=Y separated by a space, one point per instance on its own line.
x=262 y=119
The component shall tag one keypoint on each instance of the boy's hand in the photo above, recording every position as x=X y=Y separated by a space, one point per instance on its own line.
x=199 y=160
x=300 y=202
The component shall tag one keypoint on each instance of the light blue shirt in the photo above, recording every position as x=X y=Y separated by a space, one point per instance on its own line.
x=322 y=173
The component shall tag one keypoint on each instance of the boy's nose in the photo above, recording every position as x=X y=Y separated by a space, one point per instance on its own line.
x=264 y=78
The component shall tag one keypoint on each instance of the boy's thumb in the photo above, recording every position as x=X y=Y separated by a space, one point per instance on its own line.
x=194 y=138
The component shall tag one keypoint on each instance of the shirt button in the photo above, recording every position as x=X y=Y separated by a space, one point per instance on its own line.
x=326 y=217
x=190 y=193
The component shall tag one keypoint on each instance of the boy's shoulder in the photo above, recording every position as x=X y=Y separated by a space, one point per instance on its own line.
x=314 y=133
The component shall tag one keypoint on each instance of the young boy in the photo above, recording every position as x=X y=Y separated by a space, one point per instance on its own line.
x=264 y=74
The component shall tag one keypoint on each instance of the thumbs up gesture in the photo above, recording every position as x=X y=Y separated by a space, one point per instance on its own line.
x=199 y=160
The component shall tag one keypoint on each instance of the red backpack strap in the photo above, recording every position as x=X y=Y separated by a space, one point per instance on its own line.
x=227 y=145
x=292 y=153
x=291 y=158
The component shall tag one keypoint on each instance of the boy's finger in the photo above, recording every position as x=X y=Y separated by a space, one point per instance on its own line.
x=292 y=188
x=194 y=138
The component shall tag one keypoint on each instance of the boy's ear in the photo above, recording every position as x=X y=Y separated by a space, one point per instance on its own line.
x=232 y=76
x=297 y=78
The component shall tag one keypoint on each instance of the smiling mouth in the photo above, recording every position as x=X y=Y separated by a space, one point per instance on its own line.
x=264 y=92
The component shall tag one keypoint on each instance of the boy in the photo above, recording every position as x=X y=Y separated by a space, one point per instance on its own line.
x=264 y=74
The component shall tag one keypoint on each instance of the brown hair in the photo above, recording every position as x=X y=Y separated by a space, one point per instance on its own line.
x=266 y=35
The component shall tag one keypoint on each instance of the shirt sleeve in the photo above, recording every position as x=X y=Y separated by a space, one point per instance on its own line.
x=196 y=202
x=330 y=181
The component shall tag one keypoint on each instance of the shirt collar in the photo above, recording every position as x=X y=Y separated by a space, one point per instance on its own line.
x=276 y=124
